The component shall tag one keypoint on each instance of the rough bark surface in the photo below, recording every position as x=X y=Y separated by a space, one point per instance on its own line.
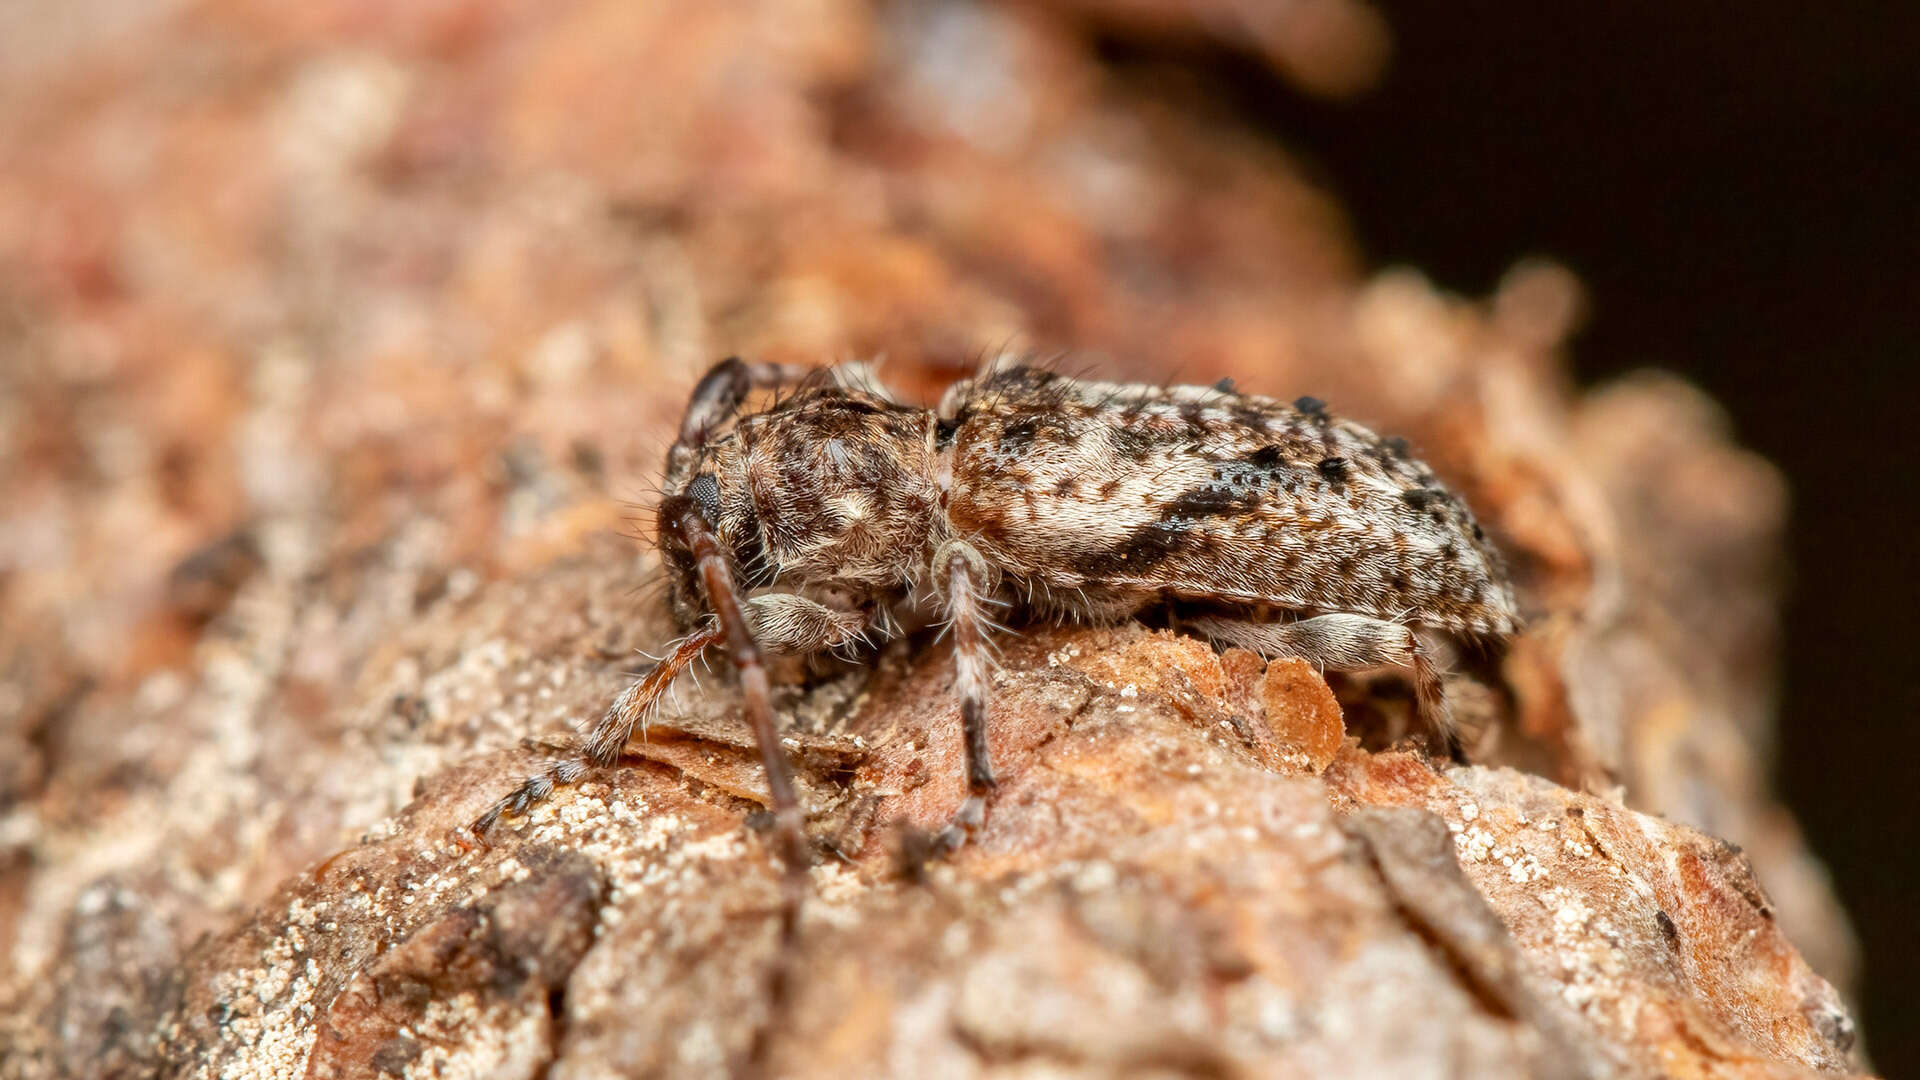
x=338 y=339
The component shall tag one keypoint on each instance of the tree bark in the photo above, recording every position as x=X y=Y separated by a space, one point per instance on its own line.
x=346 y=338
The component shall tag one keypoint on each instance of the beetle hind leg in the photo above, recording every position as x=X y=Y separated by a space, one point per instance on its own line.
x=1345 y=642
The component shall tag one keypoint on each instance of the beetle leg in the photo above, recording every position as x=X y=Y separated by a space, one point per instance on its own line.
x=783 y=622
x=603 y=743
x=964 y=575
x=1344 y=643
x=789 y=823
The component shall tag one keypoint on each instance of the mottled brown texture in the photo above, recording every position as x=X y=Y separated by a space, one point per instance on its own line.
x=372 y=318
x=1089 y=495
x=476 y=989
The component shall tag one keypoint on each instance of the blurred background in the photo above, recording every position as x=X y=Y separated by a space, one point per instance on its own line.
x=283 y=285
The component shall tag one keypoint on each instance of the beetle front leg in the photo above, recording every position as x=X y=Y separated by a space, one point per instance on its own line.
x=756 y=694
x=609 y=735
x=785 y=623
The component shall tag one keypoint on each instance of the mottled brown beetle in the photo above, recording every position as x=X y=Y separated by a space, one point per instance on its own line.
x=812 y=525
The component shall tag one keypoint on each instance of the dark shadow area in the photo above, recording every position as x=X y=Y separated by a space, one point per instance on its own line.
x=1736 y=186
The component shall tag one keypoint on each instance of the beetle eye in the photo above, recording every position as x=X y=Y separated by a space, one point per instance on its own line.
x=705 y=493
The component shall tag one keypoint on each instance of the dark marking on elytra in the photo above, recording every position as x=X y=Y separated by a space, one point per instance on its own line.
x=1267 y=457
x=1419 y=498
x=1334 y=469
x=1146 y=547
x=1206 y=502
x=1312 y=406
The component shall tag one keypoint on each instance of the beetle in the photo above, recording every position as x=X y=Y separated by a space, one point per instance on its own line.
x=814 y=524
